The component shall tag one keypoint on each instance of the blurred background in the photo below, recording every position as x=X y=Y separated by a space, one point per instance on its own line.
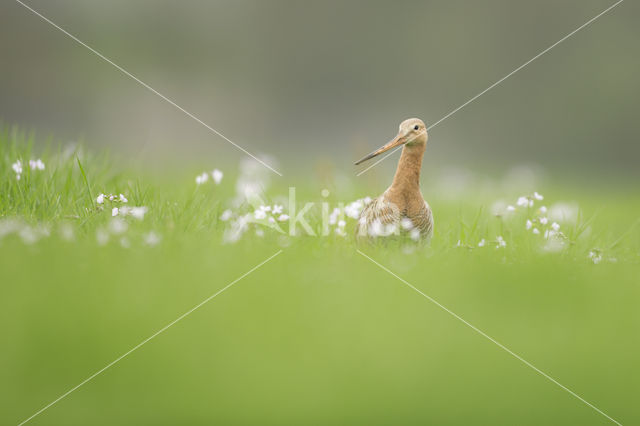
x=329 y=81
x=320 y=333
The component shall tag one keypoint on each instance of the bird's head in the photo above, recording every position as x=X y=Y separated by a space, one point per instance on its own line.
x=412 y=132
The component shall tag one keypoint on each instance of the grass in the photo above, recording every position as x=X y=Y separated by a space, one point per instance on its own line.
x=319 y=334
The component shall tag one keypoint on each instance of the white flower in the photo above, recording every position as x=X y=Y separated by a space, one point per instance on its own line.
x=528 y=225
x=481 y=243
x=277 y=209
x=226 y=215
x=555 y=226
x=283 y=217
x=117 y=226
x=138 y=212
x=123 y=198
x=544 y=220
x=522 y=202
x=17 y=167
x=353 y=209
x=340 y=232
x=152 y=239
x=259 y=233
x=36 y=164
x=554 y=245
x=114 y=211
x=390 y=229
x=510 y=208
x=543 y=210
x=498 y=208
x=342 y=223
x=415 y=234
x=376 y=228
x=265 y=208
x=366 y=200
x=595 y=256
x=259 y=214
x=563 y=212
x=100 y=199
x=501 y=242
x=271 y=219
x=406 y=223
x=553 y=234
x=238 y=227
x=200 y=179
x=538 y=196
x=111 y=197
x=217 y=176
x=536 y=231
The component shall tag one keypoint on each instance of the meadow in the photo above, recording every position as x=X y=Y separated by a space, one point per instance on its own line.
x=97 y=255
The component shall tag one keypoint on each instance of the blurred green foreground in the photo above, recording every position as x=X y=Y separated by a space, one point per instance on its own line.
x=319 y=334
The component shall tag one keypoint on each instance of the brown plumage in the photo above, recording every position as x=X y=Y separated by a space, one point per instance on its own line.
x=402 y=201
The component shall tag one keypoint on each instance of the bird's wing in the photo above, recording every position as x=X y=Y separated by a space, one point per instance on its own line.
x=379 y=210
x=423 y=220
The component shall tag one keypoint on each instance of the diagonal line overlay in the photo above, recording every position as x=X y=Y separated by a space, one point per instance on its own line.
x=491 y=339
x=147 y=339
x=500 y=81
x=145 y=85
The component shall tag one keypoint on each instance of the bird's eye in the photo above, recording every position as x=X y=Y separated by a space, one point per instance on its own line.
x=416 y=127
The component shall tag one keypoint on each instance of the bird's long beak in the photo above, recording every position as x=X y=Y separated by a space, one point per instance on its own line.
x=397 y=141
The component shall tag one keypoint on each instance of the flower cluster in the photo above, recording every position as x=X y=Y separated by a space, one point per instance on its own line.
x=354 y=208
x=595 y=255
x=351 y=211
x=264 y=215
x=118 y=209
x=136 y=212
x=28 y=234
x=538 y=221
x=525 y=201
x=216 y=176
x=498 y=243
x=33 y=165
x=17 y=167
x=36 y=164
x=117 y=229
x=270 y=213
x=253 y=180
x=112 y=198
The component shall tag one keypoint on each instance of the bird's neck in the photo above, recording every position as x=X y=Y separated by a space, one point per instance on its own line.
x=407 y=177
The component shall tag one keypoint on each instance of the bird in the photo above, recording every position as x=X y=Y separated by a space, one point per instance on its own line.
x=401 y=208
